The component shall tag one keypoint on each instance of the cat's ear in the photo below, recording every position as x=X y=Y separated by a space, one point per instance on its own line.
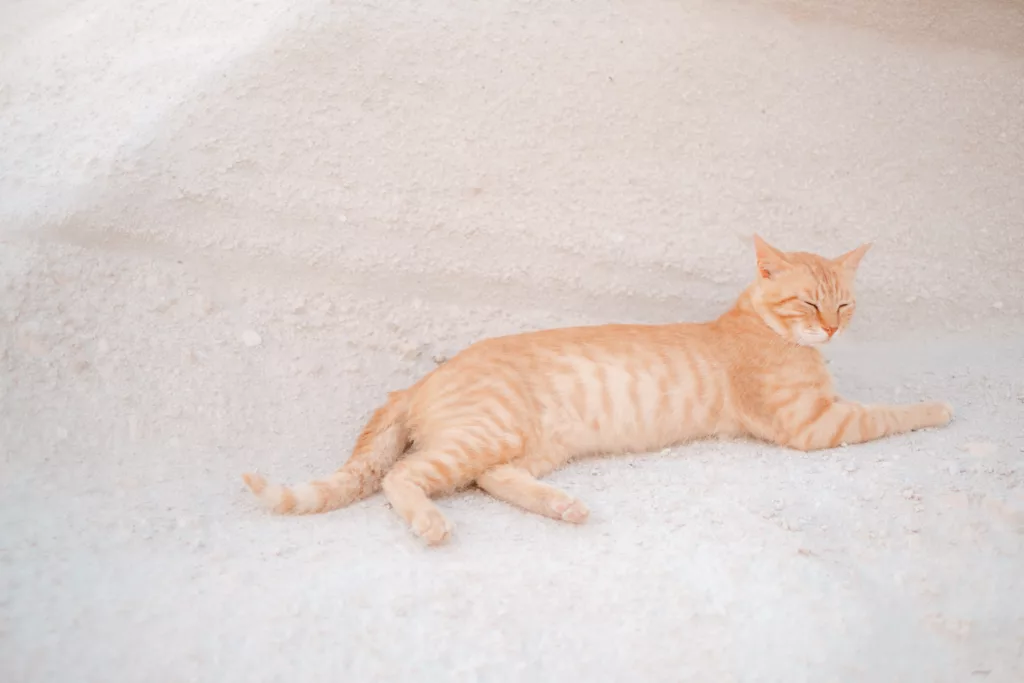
x=851 y=259
x=770 y=261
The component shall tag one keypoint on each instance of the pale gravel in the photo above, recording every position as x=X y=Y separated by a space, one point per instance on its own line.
x=227 y=229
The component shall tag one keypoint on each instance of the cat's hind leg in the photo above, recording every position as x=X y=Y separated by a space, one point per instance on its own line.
x=516 y=483
x=437 y=469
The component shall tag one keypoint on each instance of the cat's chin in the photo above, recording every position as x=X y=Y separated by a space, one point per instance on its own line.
x=811 y=339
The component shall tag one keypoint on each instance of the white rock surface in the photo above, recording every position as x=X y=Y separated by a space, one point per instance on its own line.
x=373 y=185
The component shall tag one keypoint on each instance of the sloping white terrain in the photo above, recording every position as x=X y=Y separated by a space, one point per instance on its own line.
x=228 y=228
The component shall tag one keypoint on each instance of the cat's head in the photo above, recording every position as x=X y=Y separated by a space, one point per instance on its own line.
x=806 y=298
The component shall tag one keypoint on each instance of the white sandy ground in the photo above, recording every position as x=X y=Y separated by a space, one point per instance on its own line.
x=366 y=185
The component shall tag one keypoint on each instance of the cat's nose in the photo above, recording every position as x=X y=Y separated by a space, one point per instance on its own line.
x=829 y=330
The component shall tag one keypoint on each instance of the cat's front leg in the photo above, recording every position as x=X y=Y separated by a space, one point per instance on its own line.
x=827 y=423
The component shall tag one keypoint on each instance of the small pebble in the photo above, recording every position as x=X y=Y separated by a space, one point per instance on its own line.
x=251 y=338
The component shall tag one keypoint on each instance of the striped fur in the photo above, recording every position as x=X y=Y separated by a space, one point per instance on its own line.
x=507 y=411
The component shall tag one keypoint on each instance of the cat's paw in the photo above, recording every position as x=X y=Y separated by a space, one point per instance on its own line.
x=936 y=414
x=570 y=510
x=432 y=527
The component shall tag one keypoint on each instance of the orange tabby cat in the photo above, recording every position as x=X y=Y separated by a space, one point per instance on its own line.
x=508 y=410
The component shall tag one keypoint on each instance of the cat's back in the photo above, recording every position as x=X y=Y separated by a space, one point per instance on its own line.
x=611 y=341
x=515 y=359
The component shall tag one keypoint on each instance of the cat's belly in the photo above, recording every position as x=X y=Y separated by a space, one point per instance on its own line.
x=638 y=399
x=629 y=431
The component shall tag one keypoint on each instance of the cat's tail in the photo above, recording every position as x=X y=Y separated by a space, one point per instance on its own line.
x=381 y=443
